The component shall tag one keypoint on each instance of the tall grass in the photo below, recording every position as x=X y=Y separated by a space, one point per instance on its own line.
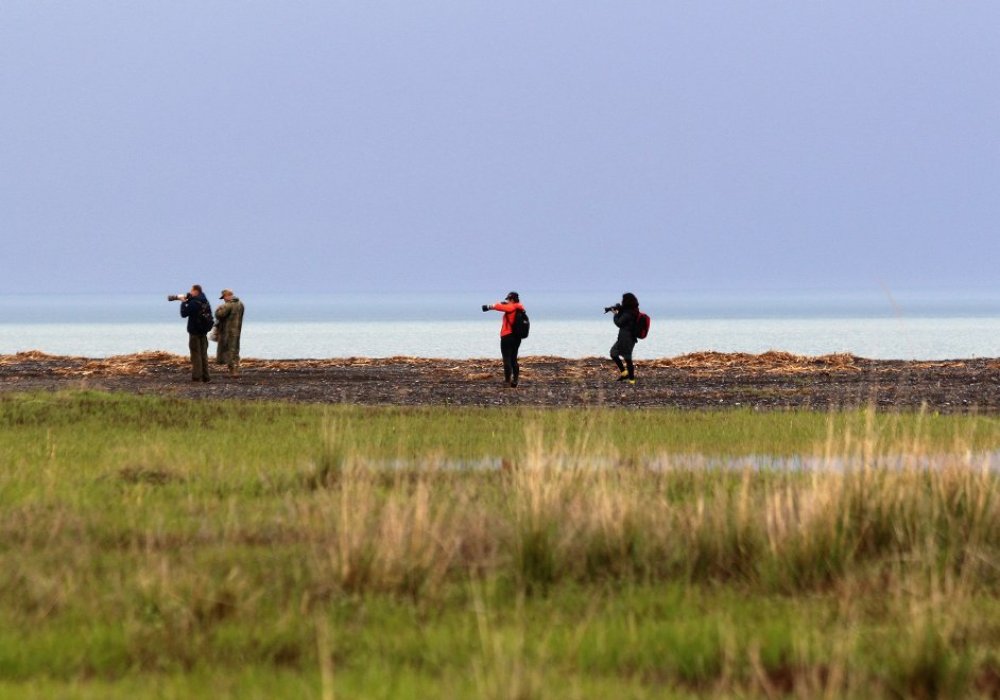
x=575 y=568
x=547 y=519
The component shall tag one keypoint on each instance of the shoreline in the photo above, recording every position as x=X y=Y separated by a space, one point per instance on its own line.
x=772 y=380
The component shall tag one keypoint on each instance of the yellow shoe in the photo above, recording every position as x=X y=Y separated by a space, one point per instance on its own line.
x=632 y=382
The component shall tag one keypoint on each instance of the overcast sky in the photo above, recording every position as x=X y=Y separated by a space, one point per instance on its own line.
x=421 y=145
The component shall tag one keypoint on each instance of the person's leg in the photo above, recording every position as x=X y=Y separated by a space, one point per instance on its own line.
x=234 y=357
x=615 y=356
x=515 y=367
x=627 y=354
x=505 y=353
x=203 y=339
x=195 y=347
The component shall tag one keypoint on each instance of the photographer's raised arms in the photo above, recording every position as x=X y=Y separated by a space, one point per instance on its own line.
x=198 y=312
x=513 y=329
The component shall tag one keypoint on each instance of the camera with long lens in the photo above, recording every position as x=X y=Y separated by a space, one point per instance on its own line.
x=616 y=308
x=177 y=297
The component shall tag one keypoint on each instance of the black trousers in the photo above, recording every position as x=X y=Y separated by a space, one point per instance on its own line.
x=509 y=345
x=623 y=349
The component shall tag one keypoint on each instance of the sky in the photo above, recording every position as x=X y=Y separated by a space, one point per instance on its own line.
x=438 y=146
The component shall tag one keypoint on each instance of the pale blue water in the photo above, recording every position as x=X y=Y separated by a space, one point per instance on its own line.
x=908 y=326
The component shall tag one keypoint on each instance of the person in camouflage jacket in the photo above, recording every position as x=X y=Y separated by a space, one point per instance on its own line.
x=228 y=326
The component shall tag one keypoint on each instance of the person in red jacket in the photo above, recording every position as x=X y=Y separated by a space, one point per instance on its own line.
x=510 y=343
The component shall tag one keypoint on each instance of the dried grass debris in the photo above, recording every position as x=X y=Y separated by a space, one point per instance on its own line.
x=699 y=363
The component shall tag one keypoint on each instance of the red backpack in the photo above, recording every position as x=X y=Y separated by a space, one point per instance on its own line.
x=641 y=325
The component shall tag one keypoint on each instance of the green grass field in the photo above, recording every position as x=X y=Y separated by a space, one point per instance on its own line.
x=161 y=548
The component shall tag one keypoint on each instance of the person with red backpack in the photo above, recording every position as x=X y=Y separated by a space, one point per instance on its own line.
x=513 y=329
x=632 y=324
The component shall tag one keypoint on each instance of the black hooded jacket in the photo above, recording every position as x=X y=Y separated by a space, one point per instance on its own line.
x=625 y=320
x=191 y=310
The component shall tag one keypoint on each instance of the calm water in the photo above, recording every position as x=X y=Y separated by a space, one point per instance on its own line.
x=925 y=326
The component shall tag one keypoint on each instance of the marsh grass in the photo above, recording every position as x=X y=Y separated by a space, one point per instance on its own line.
x=343 y=552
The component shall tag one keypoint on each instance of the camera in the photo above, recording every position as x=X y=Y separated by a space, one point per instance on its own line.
x=616 y=308
x=486 y=307
x=177 y=297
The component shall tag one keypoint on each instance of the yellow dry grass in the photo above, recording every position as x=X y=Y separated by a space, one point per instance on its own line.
x=770 y=362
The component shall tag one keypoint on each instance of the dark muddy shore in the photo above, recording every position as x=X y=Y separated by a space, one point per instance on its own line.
x=704 y=380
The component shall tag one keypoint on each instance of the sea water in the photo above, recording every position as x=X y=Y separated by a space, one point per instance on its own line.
x=930 y=326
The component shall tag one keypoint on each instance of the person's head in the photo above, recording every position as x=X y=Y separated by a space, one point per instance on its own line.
x=513 y=297
x=629 y=301
x=195 y=291
x=227 y=295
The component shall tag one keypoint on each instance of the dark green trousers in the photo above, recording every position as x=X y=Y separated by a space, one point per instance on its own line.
x=199 y=356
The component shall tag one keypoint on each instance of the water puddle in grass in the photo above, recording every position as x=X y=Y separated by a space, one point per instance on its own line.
x=808 y=463
x=989 y=461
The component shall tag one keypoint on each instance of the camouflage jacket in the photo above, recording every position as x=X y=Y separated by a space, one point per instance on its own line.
x=229 y=323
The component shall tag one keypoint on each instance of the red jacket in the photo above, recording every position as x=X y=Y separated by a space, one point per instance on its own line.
x=509 y=311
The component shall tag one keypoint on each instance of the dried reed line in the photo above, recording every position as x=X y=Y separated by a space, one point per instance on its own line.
x=702 y=363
